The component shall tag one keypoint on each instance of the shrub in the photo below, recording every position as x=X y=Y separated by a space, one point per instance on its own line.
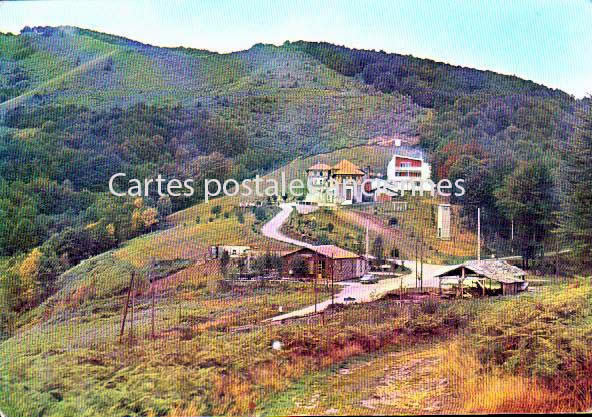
x=260 y=213
x=323 y=240
x=429 y=306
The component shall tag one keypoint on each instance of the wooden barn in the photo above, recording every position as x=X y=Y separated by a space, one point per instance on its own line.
x=492 y=276
x=330 y=261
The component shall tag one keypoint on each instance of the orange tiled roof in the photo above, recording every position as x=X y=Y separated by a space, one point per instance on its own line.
x=319 y=167
x=346 y=168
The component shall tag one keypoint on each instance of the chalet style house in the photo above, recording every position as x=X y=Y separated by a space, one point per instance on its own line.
x=340 y=184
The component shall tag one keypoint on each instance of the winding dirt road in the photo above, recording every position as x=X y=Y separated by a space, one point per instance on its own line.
x=272 y=228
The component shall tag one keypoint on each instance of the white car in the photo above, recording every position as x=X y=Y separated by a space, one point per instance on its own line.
x=369 y=279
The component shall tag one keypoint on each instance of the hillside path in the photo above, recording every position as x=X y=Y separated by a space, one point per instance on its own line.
x=272 y=228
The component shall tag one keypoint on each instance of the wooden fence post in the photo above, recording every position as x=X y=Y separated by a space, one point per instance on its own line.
x=131 y=333
x=152 y=287
x=125 y=307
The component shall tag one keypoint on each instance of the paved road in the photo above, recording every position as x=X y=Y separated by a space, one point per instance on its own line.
x=272 y=228
x=364 y=293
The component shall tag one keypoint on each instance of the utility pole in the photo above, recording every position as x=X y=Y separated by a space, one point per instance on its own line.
x=317 y=272
x=556 y=260
x=333 y=286
x=416 y=271
x=367 y=241
x=421 y=265
x=478 y=233
x=512 y=236
x=125 y=307
x=131 y=334
x=152 y=290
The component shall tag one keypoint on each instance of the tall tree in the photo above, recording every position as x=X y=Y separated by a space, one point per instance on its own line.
x=576 y=220
x=527 y=198
x=378 y=249
x=224 y=263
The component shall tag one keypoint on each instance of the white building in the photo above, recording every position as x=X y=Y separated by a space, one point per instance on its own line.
x=444 y=221
x=235 y=251
x=408 y=173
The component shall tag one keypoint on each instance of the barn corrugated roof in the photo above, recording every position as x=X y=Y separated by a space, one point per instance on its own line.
x=496 y=269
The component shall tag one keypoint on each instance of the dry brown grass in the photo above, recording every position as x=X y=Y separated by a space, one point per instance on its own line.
x=191 y=410
x=487 y=391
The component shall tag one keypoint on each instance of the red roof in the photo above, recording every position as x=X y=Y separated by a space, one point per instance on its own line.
x=331 y=251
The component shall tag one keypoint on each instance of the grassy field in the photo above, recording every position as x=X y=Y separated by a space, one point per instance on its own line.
x=491 y=362
x=348 y=228
x=184 y=245
x=368 y=358
x=419 y=222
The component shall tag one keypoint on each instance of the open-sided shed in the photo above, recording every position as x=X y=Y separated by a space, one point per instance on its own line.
x=510 y=277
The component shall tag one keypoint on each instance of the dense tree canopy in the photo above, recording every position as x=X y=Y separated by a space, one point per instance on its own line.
x=576 y=218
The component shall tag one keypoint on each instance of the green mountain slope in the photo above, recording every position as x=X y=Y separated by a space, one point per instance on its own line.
x=78 y=106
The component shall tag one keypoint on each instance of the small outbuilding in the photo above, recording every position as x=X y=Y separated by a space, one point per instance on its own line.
x=235 y=251
x=493 y=276
x=330 y=261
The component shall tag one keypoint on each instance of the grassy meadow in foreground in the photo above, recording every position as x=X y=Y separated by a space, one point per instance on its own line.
x=200 y=363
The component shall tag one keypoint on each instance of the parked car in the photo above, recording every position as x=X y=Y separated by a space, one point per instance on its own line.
x=369 y=279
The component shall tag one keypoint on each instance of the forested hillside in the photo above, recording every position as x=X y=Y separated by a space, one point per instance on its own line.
x=77 y=106
x=505 y=136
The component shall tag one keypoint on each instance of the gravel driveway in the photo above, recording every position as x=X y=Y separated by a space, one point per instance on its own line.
x=272 y=228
